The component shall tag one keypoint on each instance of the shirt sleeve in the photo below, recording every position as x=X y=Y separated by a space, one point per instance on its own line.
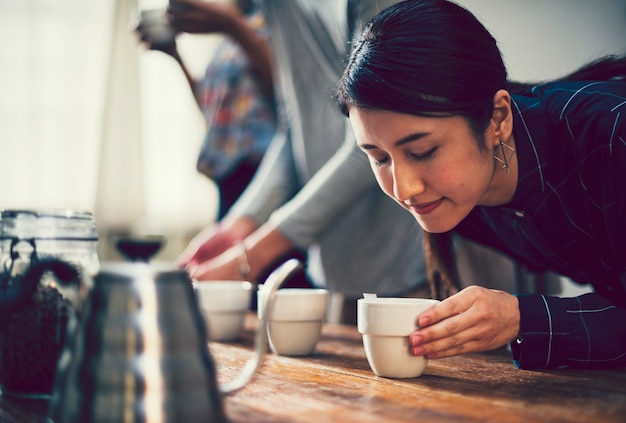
x=275 y=182
x=303 y=217
x=332 y=189
x=582 y=332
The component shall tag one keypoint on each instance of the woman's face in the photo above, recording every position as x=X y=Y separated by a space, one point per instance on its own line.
x=433 y=167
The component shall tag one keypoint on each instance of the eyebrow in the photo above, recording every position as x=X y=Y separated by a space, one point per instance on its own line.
x=404 y=140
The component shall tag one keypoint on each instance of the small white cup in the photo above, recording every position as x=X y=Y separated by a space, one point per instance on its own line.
x=386 y=324
x=224 y=305
x=156 y=26
x=295 y=326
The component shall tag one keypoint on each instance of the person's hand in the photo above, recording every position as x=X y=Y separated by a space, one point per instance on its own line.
x=169 y=49
x=262 y=247
x=225 y=266
x=475 y=319
x=201 y=17
x=146 y=33
x=212 y=241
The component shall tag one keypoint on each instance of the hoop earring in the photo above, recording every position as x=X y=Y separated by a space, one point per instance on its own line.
x=504 y=160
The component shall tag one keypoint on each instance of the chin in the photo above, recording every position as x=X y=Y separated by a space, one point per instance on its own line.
x=434 y=227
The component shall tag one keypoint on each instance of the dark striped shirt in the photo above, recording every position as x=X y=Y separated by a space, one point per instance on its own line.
x=568 y=215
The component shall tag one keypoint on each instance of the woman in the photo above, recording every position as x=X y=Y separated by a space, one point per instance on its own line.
x=536 y=172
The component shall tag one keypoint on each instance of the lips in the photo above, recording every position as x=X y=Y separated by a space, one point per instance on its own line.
x=425 y=208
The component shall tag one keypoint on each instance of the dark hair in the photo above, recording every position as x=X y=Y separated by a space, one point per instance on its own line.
x=433 y=58
x=424 y=58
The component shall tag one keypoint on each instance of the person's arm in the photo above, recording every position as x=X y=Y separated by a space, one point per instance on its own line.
x=303 y=218
x=191 y=81
x=201 y=17
x=325 y=197
x=300 y=221
x=274 y=183
x=586 y=331
x=543 y=331
x=216 y=252
x=341 y=180
x=171 y=49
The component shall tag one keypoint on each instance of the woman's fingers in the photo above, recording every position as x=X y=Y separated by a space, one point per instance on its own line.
x=475 y=319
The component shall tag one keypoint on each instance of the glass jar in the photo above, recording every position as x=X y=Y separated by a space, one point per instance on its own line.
x=33 y=335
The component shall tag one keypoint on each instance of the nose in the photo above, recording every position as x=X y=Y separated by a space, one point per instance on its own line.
x=407 y=182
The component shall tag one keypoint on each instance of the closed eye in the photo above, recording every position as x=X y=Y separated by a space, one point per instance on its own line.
x=424 y=156
x=379 y=162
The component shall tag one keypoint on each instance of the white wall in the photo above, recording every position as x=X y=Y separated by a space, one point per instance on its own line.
x=542 y=39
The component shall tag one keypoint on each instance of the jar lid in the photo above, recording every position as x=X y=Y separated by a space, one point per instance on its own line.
x=41 y=213
x=69 y=224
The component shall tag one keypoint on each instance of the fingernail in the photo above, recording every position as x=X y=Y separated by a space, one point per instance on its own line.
x=424 y=321
x=191 y=270
x=417 y=351
x=415 y=340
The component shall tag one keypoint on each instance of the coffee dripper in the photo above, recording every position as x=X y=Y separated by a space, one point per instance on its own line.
x=140 y=351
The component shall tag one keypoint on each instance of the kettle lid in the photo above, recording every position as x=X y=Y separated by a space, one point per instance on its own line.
x=141 y=270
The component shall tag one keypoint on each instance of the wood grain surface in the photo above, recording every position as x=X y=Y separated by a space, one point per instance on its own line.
x=336 y=384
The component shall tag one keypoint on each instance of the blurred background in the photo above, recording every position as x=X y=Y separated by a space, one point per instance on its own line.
x=89 y=119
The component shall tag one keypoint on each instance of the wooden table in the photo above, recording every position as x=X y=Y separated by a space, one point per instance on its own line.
x=336 y=384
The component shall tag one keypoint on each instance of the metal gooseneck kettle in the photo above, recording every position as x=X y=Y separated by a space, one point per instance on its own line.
x=139 y=353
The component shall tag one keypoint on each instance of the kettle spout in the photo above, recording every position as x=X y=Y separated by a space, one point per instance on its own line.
x=273 y=282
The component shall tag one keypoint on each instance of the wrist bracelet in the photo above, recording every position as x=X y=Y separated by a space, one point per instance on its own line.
x=244 y=265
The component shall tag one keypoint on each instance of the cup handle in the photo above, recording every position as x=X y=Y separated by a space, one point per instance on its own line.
x=274 y=281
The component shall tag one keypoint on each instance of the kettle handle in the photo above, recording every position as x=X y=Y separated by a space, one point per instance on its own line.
x=274 y=281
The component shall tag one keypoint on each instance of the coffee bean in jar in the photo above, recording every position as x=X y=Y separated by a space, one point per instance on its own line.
x=33 y=338
x=33 y=334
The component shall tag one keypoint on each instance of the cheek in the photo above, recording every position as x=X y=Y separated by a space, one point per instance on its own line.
x=465 y=179
x=454 y=182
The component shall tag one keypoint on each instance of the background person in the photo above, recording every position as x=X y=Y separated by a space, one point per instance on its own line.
x=314 y=188
x=533 y=171
x=235 y=95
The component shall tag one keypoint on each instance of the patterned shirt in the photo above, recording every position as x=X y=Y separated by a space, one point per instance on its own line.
x=568 y=215
x=240 y=120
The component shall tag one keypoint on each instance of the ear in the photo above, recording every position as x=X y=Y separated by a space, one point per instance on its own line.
x=501 y=127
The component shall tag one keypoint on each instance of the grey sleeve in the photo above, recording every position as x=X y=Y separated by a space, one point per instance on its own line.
x=274 y=183
x=333 y=188
x=343 y=179
x=331 y=191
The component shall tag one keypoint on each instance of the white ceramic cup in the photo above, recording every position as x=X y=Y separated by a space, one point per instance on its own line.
x=295 y=326
x=224 y=305
x=156 y=26
x=386 y=324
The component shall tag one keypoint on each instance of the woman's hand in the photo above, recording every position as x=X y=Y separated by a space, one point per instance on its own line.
x=475 y=319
